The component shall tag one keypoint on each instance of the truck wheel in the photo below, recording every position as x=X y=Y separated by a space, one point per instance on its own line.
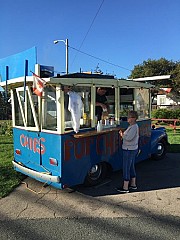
x=96 y=174
x=161 y=150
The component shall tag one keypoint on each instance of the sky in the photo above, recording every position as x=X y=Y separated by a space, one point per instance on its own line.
x=114 y=35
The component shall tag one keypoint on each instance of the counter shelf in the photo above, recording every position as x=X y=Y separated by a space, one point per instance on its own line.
x=95 y=133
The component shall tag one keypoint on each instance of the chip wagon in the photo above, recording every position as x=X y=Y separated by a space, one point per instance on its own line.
x=47 y=148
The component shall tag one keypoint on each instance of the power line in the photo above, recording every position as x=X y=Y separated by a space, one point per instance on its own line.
x=116 y=65
x=91 y=24
x=89 y=29
x=79 y=49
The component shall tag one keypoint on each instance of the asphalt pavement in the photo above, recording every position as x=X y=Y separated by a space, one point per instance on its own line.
x=32 y=211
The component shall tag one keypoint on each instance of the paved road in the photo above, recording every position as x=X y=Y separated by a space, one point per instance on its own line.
x=153 y=212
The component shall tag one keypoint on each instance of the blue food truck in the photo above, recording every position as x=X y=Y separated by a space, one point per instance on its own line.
x=49 y=149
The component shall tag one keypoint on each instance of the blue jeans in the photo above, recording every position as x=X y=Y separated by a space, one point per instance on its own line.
x=129 y=157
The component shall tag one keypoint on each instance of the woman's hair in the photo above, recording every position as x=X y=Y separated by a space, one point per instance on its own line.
x=133 y=114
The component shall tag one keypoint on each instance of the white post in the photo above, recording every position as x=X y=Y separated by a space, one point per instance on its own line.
x=67 y=56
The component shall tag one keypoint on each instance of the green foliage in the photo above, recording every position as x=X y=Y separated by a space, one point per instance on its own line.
x=153 y=68
x=166 y=113
x=5 y=106
x=157 y=68
x=6 y=127
x=176 y=79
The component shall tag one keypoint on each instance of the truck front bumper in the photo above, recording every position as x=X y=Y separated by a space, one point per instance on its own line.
x=34 y=174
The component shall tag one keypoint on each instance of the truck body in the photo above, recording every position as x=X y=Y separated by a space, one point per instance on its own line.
x=47 y=148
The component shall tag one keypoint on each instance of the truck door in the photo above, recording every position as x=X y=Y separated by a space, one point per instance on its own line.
x=27 y=142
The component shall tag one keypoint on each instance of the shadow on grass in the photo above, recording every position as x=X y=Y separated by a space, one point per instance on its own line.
x=9 y=179
x=7 y=143
x=173 y=148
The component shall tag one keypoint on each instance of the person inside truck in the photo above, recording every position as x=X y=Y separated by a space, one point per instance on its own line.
x=101 y=102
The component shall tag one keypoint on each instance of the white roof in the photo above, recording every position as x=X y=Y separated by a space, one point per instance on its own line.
x=79 y=81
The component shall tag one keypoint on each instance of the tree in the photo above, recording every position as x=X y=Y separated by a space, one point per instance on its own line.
x=175 y=82
x=5 y=107
x=157 y=68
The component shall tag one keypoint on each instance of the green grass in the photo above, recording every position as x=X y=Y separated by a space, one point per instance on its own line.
x=174 y=140
x=173 y=136
x=9 y=178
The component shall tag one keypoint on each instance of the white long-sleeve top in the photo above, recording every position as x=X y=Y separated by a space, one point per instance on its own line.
x=131 y=137
x=75 y=107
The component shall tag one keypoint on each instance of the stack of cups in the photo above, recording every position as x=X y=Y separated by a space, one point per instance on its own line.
x=106 y=122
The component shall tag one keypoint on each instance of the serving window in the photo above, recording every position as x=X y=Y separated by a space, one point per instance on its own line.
x=126 y=101
x=134 y=99
x=85 y=94
x=142 y=102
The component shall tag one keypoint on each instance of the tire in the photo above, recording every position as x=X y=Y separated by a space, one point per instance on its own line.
x=96 y=174
x=161 y=152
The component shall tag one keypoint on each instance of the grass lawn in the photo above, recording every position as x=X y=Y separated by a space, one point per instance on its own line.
x=9 y=178
x=174 y=140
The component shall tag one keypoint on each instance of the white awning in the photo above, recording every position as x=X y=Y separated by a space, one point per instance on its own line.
x=153 y=78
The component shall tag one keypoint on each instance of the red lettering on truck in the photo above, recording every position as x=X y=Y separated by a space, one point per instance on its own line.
x=33 y=144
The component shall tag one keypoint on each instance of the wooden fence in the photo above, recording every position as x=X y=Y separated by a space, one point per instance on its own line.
x=171 y=122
